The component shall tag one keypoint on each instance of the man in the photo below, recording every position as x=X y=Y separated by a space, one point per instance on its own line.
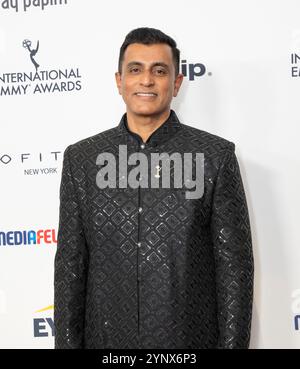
x=141 y=266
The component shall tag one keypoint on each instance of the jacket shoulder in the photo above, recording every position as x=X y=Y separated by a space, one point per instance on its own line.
x=87 y=144
x=206 y=141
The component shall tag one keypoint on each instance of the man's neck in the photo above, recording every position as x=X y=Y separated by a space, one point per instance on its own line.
x=144 y=126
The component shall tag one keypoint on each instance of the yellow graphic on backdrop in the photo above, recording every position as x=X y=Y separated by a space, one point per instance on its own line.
x=50 y=307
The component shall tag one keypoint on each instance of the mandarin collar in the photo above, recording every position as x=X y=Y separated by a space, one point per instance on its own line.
x=162 y=134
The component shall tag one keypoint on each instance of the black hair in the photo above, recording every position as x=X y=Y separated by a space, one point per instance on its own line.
x=149 y=36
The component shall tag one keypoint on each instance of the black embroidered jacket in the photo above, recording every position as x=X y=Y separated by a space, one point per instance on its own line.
x=147 y=267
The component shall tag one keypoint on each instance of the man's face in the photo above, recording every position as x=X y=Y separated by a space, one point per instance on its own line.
x=147 y=82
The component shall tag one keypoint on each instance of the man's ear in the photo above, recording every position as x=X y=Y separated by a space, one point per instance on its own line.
x=118 y=81
x=178 y=82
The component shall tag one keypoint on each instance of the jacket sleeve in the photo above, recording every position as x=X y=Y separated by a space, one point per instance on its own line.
x=70 y=265
x=231 y=234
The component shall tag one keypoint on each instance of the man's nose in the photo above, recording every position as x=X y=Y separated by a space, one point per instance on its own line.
x=147 y=79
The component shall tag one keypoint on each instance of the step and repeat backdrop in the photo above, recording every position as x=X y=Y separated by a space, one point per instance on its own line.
x=241 y=61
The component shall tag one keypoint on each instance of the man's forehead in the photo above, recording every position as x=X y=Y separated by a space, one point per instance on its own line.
x=148 y=53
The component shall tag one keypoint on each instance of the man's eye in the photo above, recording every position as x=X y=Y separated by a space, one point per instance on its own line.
x=134 y=70
x=160 y=71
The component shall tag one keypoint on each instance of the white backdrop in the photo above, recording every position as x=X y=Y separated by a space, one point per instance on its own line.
x=248 y=94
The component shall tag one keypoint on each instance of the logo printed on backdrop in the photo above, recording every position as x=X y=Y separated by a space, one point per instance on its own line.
x=5 y=159
x=296 y=309
x=33 y=159
x=295 y=57
x=24 y=5
x=28 y=238
x=41 y=81
x=27 y=45
x=44 y=326
x=295 y=62
x=193 y=70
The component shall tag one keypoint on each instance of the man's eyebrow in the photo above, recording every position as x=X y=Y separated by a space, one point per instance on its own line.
x=134 y=63
x=160 y=64
x=155 y=64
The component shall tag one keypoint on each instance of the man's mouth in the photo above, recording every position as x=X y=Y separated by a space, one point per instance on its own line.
x=146 y=94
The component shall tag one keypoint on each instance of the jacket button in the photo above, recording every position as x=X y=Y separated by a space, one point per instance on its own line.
x=106 y=323
x=142 y=146
x=139 y=244
x=140 y=210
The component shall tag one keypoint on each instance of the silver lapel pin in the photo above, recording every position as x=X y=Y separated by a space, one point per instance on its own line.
x=158 y=169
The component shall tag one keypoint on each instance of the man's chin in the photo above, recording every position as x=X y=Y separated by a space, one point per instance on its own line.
x=148 y=112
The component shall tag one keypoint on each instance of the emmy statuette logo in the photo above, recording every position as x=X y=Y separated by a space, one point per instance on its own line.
x=27 y=45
